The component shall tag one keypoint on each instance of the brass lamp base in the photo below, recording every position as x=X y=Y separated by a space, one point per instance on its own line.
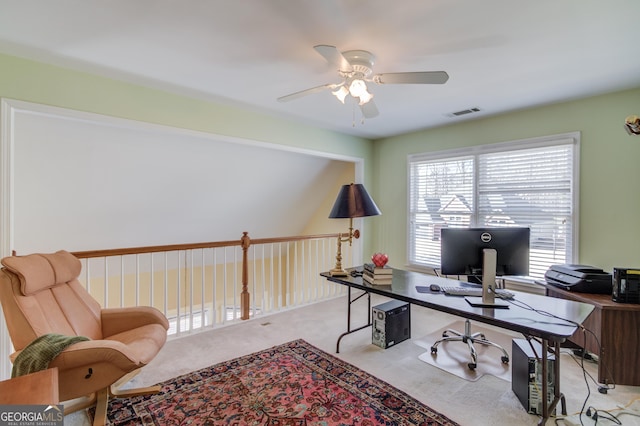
x=338 y=273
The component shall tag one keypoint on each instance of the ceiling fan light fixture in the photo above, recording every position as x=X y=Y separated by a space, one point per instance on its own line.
x=357 y=88
x=365 y=97
x=341 y=93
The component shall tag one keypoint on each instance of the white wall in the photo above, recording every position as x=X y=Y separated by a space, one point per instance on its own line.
x=84 y=181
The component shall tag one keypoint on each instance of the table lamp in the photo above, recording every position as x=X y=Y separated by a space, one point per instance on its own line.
x=353 y=201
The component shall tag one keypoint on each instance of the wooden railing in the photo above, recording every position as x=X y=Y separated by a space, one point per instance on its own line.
x=196 y=285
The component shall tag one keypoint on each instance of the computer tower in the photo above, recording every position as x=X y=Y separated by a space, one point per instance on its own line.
x=391 y=323
x=526 y=374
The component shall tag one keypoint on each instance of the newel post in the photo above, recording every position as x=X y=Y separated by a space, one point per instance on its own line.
x=244 y=296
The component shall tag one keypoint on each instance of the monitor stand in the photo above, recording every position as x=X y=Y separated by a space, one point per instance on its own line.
x=488 y=299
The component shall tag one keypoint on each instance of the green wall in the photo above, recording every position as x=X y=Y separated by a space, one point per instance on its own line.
x=609 y=211
x=36 y=82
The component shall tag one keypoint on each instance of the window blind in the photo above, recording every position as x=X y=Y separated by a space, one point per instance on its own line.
x=530 y=184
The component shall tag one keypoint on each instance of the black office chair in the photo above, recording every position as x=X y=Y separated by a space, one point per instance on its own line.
x=469 y=338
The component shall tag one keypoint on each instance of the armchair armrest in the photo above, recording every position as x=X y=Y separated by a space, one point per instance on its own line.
x=96 y=352
x=87 y=367
x=118 y=320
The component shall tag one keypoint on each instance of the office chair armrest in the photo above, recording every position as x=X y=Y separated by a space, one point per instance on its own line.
x=118 y=320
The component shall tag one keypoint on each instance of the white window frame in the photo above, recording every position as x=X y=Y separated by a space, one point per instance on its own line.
x=572 y=138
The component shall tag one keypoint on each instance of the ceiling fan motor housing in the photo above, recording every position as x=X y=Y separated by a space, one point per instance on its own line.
x=361 y=61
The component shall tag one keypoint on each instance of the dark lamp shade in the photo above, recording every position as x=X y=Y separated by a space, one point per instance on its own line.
x=353 y=201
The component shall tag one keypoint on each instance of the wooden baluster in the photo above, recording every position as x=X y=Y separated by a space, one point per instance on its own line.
x=245 y=242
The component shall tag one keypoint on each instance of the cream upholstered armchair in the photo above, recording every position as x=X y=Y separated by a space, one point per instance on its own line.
x=41 y=295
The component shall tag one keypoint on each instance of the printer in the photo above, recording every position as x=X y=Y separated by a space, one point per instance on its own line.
x=579 y=278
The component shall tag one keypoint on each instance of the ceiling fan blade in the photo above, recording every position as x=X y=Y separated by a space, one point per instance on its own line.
x=369 y=110
x=301 y=93
x=334 y=57
x=426 y=77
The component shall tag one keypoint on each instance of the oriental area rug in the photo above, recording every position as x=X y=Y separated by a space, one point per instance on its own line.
x=291 y=384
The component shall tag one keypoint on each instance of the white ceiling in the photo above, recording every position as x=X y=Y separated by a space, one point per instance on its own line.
x=500 y=55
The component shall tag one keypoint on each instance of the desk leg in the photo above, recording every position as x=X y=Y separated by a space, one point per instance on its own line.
x=548 y=408
x=349 y=303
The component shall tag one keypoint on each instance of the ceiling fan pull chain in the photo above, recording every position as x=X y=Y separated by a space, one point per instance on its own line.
x=353 y=114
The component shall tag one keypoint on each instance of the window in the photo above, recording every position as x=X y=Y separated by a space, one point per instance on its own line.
x=529 y=183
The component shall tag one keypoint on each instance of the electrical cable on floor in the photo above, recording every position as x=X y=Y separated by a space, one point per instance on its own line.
x=601 y=388
x=584 y=375
x=591 y=412
x=596 y=415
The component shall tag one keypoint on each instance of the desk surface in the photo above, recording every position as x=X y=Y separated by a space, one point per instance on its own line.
x=523 y=316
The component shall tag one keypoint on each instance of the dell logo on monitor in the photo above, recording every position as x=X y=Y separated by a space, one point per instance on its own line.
x=485 y=237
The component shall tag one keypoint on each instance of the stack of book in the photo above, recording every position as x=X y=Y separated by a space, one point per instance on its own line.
x=377 y=275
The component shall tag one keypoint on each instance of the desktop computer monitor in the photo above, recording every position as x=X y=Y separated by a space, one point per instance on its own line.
x=461 y=251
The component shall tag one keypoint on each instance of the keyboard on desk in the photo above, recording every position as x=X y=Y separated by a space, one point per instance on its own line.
x=471 y=291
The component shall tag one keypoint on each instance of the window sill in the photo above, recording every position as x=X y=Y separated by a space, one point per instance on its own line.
x=521 y=283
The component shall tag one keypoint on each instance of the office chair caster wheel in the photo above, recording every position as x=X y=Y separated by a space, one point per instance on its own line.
x=505 y=359
x=434 y=350
x=472 y=365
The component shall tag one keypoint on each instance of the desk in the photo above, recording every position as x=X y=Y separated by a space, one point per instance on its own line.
x=516 y=318
x=615 y=325
x=39 y=388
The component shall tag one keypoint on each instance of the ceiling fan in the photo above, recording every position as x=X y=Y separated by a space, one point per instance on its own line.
x=355 y=67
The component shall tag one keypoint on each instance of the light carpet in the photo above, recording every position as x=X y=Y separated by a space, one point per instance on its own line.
x=488 y=401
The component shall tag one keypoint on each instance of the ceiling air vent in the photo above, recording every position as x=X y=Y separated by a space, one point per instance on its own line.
x=464 y=112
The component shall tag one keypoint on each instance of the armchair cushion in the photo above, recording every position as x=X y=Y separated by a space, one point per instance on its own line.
x=38 y=272
x=117 y=320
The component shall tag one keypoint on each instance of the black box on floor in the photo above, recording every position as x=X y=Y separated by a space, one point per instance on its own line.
x=391 y=323
x=526 y=374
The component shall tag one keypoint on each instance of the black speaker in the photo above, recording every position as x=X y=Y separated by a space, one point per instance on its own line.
x=391 y=323
x=626 y=285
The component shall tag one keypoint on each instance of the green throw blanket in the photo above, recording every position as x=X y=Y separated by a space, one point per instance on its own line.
x=39 y=353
